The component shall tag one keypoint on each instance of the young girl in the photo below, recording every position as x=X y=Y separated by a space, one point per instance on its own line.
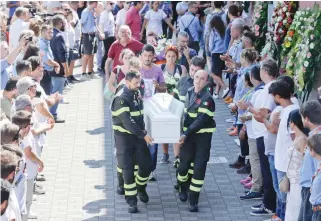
x=295 y=156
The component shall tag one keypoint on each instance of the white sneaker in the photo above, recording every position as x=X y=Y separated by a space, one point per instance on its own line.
x=152 y=176
x=215 y=96
x=225 y=92
x=230 y=120
x=85 y=77
x=38 y=191
x=237 y=141
x=64 y=101
x=94 y=76
x=34 y=198
x=32 y=215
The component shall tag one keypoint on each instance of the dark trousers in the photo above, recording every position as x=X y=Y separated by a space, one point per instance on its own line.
x=306 y=212
x=131 y=150
x=244 y=145
x=233 y=84
x=316 y=216
x=195 y=45
x=46 y=82
x=107 y=43
x=153 y=149
x=269 y=197
x=196 y=147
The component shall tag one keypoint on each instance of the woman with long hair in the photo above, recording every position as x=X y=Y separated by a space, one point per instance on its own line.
x=216 y=49
x=295 y=157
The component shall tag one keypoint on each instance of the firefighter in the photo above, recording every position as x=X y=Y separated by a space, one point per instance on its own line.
x=131 y=140
x=186 y=82
x=198 y=128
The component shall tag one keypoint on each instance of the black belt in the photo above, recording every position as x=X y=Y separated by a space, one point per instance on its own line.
x=92 y=33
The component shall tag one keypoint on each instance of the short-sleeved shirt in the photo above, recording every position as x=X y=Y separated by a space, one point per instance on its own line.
x=263 y=100
x=116 y=48
x=121 y=17
x=108 y=21
x=154 y=73
x=283 y=139
x=235 y=51
x=47 y=53
x=32 y=167
x=155 y=19
x=12 y=9
x=6 y=105
x=88 y=21
x=4 y=74
x=121 y=74
x=134 y=22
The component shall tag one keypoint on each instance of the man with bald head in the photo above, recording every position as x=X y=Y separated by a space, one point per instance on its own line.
x=198 y=128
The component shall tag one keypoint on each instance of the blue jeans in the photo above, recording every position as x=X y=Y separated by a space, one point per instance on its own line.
x=100 y=53
x=58 y=84
x=153 y=149
x=280 y=207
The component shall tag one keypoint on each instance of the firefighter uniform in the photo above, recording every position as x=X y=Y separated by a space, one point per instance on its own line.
x=198 y=128
x=182 y=87
x=129 y=132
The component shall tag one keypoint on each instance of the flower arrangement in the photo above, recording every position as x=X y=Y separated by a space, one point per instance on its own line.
x=171 y=82
x=304 y=56
x=260 y=23
x=282 y=18
x=162 y=43
x=270 y=49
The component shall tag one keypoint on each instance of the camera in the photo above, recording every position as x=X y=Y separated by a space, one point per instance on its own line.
x=38 y=93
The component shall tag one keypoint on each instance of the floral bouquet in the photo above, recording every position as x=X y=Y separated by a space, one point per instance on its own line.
x=282 y=18
x=304 y=57
x=170 y=82
x=260 y=23
x=162 y=43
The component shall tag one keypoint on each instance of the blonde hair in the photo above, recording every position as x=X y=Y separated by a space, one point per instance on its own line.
x=124 y=52
x=249 y=54
x=135 y=63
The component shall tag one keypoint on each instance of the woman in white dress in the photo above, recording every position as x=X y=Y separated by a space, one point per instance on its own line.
x=295 y=156
x=153 y=20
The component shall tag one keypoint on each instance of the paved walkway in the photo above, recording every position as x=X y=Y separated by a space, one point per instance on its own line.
x=81 y=173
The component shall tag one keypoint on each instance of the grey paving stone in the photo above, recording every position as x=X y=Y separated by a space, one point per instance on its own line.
x=81 y=170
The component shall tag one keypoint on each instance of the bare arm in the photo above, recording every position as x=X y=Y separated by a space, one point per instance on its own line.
x=107 y=66
x=144 y=25
x=111 y=82
x=168 y=21
x=33 y=157
x=14 y=54
x=44 y=111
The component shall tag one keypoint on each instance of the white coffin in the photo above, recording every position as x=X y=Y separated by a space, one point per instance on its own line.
x=163 y=117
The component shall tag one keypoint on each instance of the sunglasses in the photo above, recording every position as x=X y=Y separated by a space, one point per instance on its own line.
x=33 y=86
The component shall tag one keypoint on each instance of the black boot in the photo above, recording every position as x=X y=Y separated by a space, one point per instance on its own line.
x=143 y=196
x=246 y=169
x=120 y=190
x=240 y=162
x=182 y=196
x=133 y=208
x=193 y=208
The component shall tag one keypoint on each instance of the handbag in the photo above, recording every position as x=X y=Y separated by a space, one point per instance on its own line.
x=284 y=183
x=108 y=94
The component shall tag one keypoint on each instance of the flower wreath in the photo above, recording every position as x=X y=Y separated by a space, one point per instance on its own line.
x=260 y=23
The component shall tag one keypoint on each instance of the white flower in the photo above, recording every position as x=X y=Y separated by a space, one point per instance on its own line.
x=289 y=38
x=301 y=19
x=306 y=64
x=279 y=19
x=312 y=46
x=285 y=22
x=288 y=14
x=285 y=9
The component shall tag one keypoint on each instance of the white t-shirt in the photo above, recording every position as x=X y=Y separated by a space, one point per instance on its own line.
x=14 y=32
x=32 y=167
x=263 y=100
x=121 y=17
x=13 y=207
x=155 y=21
x=283 y=139
x=107 y=19
x=248 y=124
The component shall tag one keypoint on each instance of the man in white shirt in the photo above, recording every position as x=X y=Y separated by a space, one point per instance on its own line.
x=18 y=26
x=265 y=103
x=121 y=16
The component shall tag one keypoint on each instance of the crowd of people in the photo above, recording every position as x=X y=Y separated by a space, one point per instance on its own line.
x=42 y=42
